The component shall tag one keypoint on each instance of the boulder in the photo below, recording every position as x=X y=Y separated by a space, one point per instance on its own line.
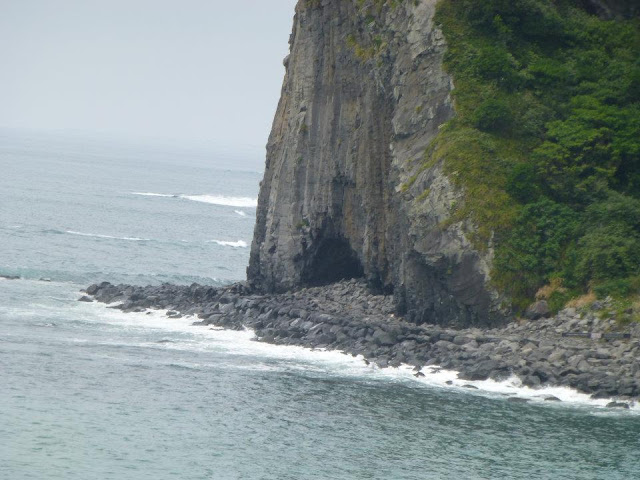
x=380 y=337
x=538 y=310
x=617 y=405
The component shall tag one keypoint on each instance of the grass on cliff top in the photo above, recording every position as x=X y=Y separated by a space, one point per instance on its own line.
x=546 y=143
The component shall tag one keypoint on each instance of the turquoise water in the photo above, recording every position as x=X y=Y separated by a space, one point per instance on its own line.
x=88 y=392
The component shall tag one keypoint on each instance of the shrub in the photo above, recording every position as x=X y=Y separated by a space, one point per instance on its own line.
x=535 y=245
x=558 y=300
x=618 y=287
x=533 y=18
x=608 y=253
x=523 y=183
x=493 y=115
x=497 y=64
x=615 y=209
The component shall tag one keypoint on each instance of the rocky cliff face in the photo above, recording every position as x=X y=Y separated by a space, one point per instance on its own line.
x=343 y=193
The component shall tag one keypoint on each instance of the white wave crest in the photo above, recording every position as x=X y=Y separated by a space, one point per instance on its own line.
x=151 y=194
x=97 y=235
x=240 y=212
x=223 y=200
x=238 y=244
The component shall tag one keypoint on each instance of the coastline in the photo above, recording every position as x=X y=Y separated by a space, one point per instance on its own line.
x=344 y=316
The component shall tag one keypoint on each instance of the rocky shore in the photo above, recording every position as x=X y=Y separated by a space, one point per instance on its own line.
x=581 y=349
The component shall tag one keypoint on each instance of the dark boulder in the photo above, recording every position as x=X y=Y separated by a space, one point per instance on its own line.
x=617 y=405
x=380 y=337
x=537 y=310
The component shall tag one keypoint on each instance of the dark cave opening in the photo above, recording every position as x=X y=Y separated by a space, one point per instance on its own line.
x=334 y=260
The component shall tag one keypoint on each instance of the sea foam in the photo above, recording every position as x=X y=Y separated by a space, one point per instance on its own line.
x=151 y=194
x=336 y=363
x=223 y=200
x=237 y=244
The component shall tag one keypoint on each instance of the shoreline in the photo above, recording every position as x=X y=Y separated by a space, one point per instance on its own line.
x=345 y=317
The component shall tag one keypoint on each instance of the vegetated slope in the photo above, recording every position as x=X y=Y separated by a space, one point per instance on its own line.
x=546 y=144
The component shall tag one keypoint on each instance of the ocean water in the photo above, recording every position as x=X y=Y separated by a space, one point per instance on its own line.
x=88 y=392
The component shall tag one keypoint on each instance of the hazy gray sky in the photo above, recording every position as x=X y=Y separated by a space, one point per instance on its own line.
x=188 y=71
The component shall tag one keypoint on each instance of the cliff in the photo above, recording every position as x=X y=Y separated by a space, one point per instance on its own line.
x=528 y=189
x=363 y=97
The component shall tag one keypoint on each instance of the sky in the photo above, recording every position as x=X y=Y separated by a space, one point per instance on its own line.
x=186 y=72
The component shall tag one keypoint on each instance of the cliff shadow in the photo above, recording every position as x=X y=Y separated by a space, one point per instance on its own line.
x=332 y=260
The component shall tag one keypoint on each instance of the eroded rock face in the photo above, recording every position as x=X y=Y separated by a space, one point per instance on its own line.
x=343 y=193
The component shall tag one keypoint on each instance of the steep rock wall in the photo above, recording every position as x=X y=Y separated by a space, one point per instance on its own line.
x=343 y=193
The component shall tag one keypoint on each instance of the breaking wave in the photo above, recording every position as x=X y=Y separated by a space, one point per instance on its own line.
x=238 y=244
x=336 y=363
x=211 y=199
x=222 y=200
x=150 y=194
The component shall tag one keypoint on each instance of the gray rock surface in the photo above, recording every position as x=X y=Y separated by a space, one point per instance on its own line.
x=344 y=194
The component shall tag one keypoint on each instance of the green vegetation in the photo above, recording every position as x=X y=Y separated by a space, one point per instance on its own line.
x=423 y=196
x=364 y=53
x=546 y=143
x=370 y=42
x=302 y=224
